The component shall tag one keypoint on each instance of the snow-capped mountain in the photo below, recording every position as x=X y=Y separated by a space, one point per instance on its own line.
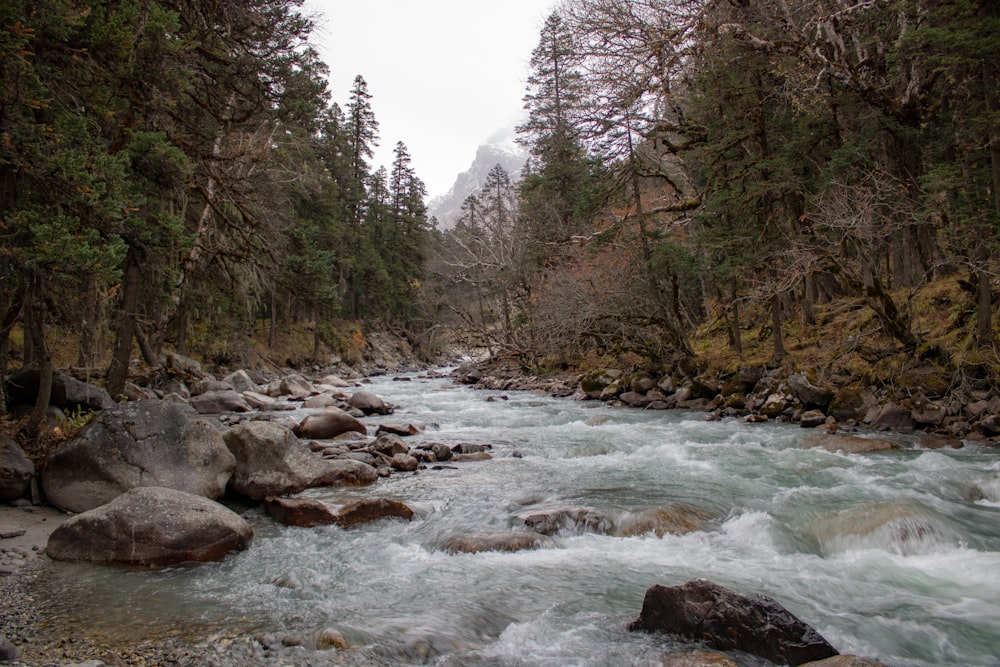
x=500 y=148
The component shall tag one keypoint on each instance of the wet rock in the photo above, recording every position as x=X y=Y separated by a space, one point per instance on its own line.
x=812 y=419
x=676 y=520
x=270 y=461
x=324 y=400
x=367 y=510
x=328 y=424
x=151 y=527
x=330 y=639
x=144 y=443
x=725 y=620
x=503 y=541
x=300 y=512
x=573 y=521
x=848 y=443
x=217 y=402
x=369 y=403
x=699 y=659
x=389 y=444
x=397 y=429
x=16 y=470
x=403 y=462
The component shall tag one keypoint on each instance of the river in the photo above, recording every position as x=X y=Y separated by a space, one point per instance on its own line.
x=891 y=555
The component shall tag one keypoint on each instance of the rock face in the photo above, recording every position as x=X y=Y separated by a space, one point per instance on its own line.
x=270 y=461
x=16 y=470
x=328 y=424
x=145 y=443
x=151 y=527
x=725 y=620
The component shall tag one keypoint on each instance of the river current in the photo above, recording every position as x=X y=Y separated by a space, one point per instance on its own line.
x=894 y=555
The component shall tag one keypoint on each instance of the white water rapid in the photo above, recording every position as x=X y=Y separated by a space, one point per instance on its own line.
x=893 y=556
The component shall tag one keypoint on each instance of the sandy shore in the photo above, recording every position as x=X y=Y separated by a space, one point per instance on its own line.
x=24 y=532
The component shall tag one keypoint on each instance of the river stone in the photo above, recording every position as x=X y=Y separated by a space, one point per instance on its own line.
x=270 y=461
x=699 y=659
x=404 y=463
x=325 y=400
x=329 y=638
x=206 y=385
x=144 y=443
x=300 y=512
x=890 y=417
x=575 y=521
x=503 y=541
x=214 y=402
x=725 y=620
x=369 y=403
x=151 y=527
x=16 y=470
x=328 y=424
x=850 y=444
x=812 y=419
x=676 y=520
x=241 y=381
x=367 y=510
x=295 y=386
x=345 y=472
x=397 y=429
x=844 y=661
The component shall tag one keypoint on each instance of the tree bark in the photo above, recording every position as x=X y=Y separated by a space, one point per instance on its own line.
x=34 y=319
x=779 y=340
x=121 y=356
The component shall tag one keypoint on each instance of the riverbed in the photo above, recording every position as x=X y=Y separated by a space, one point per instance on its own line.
x=892 y=555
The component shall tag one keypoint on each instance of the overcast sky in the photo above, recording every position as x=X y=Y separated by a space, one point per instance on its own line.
x=444 y=75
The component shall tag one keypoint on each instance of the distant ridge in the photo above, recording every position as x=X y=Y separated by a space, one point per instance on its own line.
x=500 y=148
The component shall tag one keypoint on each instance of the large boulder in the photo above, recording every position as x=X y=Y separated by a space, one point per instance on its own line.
x=16 y=470
x=217 y=401
x=346 y=472
x=725 y=620
x=369 y=403
x=327 y=424
x=270 y=461
x=68 y=393
x=144 y=443
x=151 y=527
x=809 y=394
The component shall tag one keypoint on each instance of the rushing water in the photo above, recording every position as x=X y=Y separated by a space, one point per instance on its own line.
x=891 y=555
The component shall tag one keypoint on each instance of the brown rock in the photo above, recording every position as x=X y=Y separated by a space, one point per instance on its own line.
x=504 y=541
x=367 y=510
x=328 y=424
x=301 y=512
x=676 y=520
x=397 y=429
x=699 y=659
x=369 y=403
x=844 y=661
x=851 y=444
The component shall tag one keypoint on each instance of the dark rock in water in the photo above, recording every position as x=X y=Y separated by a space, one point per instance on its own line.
x=850 y=444
x=812 y=419
x=328 y=424
x=144 y=443
x=16 y=470
x=301 y=512
x=505 y=541
x=467 y=374
x=675 y=520
x=574 y=521
x=705 y=611
x=397 y=429
x=151 y=527
x=369 y=403
x=404 y=463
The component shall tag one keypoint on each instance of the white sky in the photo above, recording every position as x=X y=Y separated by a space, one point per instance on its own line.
x=444 y=75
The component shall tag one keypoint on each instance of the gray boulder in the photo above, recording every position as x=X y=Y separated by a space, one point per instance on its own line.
x=241 y=381
x=270 y=461
x=216 y=402
x=151 y=527
x=809 y=394
x=328 y=424
x=68 y=393
x=295 y=386
x=16 y=470
x=144 y=443
x=725 y=620
x=346 y=472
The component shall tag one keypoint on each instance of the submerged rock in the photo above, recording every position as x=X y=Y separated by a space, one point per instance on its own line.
x=151 y=527
x=725 y=620
x=676 y=520
x=851 y=444
x=502 y=541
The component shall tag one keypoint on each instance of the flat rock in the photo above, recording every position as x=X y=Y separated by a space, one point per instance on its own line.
x=725 y=620
x=151 y=527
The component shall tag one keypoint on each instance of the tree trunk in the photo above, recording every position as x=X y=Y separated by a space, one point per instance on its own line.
x=34 y=319
x=779 y=341
x=122 y=354
x=272 y=334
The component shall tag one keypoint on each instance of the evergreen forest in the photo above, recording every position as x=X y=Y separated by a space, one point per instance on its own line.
x=706 y=177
